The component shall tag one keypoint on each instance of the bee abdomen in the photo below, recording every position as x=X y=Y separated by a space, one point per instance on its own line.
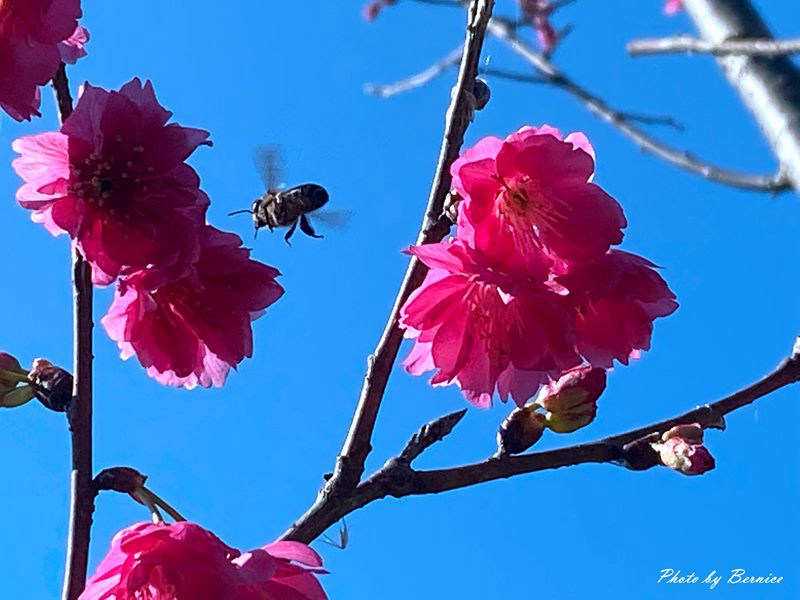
x=315 y=196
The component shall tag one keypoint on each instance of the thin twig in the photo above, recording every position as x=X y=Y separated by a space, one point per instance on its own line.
x=513 y=75
x=643 y=118
x=623 y=122
x=693 y=45
x=350 y=462
x=419 y=79
x=397 y=478
x=79 y=415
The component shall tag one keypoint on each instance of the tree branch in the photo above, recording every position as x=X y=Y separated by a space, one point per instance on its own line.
x=693 y=45
x=451 y=59
x=79 y=414
x=623 y=122
x=769 y=87
x=398 y=479
x=350 y=462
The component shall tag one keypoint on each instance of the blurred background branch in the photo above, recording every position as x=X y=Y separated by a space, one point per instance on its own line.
x=692 y=45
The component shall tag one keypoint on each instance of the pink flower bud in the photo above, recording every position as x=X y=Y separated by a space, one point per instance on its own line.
x=692 y=432
x=571 y=402
x=520 y=430
x=682 y=450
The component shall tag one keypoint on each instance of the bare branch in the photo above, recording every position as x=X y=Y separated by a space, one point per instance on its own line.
x=769 y=87
x=397 y=478
x=350 y=462
x=623 y=121
x=693 y=45
x=513 y=76
x=79 y=414
x=451 y=59
x=626 y=115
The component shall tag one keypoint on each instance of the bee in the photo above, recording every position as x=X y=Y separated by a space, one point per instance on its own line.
x=288 y=207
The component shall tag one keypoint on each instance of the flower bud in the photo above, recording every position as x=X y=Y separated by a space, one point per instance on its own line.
x=481 y=92
x=520 y=430
x=54 y=385
x=571 y=402
x=126 y=480
x=692 y=432
x=451 y=204
x=682 y=450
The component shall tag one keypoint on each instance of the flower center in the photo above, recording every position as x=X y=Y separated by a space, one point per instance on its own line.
x=525 y=211
x=104 y=181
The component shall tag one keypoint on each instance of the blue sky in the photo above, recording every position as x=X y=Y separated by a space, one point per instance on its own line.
x=246 y=460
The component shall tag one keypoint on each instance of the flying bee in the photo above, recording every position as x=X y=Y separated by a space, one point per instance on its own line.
x=286 y=207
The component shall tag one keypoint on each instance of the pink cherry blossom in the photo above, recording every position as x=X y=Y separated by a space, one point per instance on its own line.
x=673 y=6
x=484 y=329
x=184 y=561
x=616 y=299
x=532 y=192
x=188 y=330
x=31 y=33
x=115 y=180
x=682 y=450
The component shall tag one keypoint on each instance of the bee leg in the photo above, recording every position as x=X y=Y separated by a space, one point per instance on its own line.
x=305 y=227
x=290 y=233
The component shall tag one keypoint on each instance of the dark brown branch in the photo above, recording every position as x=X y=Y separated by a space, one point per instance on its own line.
x=606 y=450
x=397 y=478
x=350 y=463
x=693 y=45
x=624 y=123
x=769 y=87
x=79 y=414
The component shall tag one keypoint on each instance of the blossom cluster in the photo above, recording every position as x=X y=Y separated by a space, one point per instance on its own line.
x=114 y=179
x=183 y=560
x=531 y=285
x=35 y=37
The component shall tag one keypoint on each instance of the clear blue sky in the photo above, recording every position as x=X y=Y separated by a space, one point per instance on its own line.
x=246 y=460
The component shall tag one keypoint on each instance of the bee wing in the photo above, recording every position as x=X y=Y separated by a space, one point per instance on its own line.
x=269 y=163
x=337 y=219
